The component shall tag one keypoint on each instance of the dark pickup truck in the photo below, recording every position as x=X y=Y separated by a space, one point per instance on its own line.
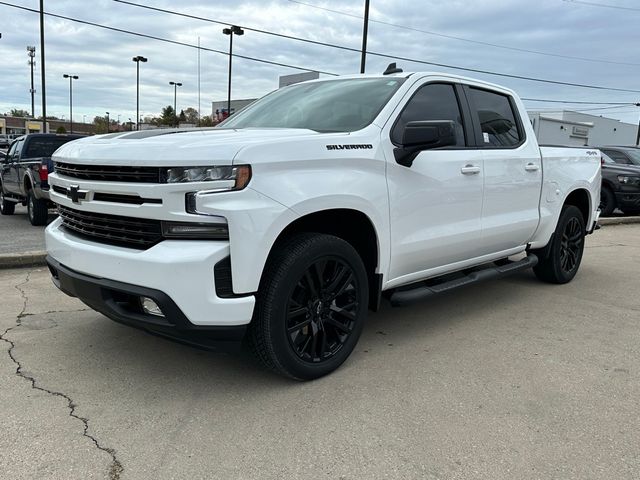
x=620 y=186
x=24 y=174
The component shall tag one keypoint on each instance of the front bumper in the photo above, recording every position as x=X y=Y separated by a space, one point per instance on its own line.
x=183 y=270
x=120 y=302
x=628 y=199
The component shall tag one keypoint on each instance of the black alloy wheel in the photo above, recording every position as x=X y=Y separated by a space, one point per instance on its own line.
x=571 y=245
x=311 y=306
x=322 y=310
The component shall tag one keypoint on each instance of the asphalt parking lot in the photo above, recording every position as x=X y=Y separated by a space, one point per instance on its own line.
x=17 y=235
x=510 y=379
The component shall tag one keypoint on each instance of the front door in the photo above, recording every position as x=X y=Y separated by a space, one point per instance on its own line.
x=436 y=204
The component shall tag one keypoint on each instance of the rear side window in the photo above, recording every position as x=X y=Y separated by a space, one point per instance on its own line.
x=497 y=119
x=434 y=101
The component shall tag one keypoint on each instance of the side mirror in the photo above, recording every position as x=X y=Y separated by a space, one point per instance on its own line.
x=424 y=135
x=4 y=158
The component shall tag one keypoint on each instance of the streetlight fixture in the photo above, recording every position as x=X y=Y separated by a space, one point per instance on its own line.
x=71 y=79
x=107 y=121
x=234 y=29
x=175 y=92
x=138 y=59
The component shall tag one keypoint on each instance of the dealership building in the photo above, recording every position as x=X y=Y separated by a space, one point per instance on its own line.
x=581 y=129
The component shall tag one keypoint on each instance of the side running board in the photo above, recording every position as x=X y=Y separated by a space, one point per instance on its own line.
x=421 y=290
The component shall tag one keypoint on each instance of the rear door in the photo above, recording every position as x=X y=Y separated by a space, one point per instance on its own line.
x=436 y=204
x=512 y=171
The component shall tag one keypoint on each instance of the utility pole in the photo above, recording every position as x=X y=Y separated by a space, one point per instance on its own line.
x=231 y=31
x=31 y=51
x=44 y=91
x=71 y=79
x=175 y=90
x=365 y=32
x=638 y=136
x=138 y=59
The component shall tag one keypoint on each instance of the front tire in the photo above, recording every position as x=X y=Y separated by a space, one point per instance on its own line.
x=607 y=202
x=311 y=306
x=37 y=209
x=7 y=207
x=566 y=249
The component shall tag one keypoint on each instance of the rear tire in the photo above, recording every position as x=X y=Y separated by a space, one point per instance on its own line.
x=311 y=306
x=566 y=249
x=38 y=210
x=607 y=201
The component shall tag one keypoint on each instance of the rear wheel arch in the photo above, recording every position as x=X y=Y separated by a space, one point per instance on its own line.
x=580 y=198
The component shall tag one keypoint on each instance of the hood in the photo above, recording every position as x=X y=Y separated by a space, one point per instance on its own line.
x=175 y=147
x=617 y=168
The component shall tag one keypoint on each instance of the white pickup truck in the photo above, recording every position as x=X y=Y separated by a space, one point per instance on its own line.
x=288 y=222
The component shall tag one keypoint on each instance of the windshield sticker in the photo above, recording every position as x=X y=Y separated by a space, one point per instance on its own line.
x=350 y=147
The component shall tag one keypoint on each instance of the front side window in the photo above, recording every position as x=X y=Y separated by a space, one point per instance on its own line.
x=497 y=119
x=328 y=106
x=634 y=156
x=618 y=157
x=434 y=101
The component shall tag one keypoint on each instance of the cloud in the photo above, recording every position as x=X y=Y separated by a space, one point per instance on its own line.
x=102 y=59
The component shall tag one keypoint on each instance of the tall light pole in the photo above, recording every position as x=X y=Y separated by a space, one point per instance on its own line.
x=138 y=59
x=71 y=79
x=107 y=121
x=231 y=31
x=42 y=76
x=31 y=51
x=365 y=31
x=175 y=93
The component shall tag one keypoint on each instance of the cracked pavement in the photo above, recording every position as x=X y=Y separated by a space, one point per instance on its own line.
x=506 y=379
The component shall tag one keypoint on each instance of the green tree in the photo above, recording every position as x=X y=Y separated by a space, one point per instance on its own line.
x=101 y=124
x=168 y=116
x=182 y=118
x=191 y=115
x=206 y=121
x=61 y=129
x=17 y=112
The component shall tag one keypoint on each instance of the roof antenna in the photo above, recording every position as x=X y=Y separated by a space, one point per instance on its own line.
x=392 y=69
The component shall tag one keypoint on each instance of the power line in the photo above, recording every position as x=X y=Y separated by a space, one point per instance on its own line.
x=580 y=102
x=468 y=40
x=166 y=40
x=175 y=42
x=384 y=55
x=594 y=4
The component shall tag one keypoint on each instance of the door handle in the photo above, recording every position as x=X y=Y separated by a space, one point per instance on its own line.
x=470 y=170
x=532 y=167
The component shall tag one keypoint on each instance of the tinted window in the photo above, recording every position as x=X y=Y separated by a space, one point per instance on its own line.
x=44 y=146
x=435 y=101
x=497 y=120
x=618 y=157
x=18 y=148
x=329 y=106
x=12 y=149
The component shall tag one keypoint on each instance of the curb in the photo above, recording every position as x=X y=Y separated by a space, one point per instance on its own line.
x=22 y=260
x=619 y=220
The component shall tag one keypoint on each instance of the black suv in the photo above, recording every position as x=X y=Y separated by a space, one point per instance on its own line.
x=620 y=180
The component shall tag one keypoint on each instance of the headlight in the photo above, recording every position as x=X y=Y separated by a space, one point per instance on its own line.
x=230 y=177
x=629 y=180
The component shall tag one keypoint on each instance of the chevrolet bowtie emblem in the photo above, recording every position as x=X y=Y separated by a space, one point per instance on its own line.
x=75 y=194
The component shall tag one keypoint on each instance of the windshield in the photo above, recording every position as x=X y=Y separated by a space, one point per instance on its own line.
x=44 y=146
x=634 y=156
x=329 y=106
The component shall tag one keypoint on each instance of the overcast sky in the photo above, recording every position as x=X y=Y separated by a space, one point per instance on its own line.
x=608 y=37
